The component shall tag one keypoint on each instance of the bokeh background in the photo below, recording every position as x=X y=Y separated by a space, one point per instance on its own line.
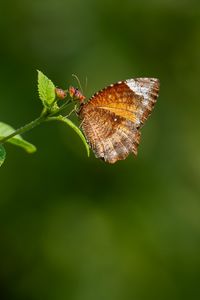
x=76 y=228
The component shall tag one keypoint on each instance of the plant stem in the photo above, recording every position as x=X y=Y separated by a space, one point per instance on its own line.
x=44 y=117
x=25 y=128
x=61 y=108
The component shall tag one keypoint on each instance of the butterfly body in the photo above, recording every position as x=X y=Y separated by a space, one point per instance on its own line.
x=112 y=118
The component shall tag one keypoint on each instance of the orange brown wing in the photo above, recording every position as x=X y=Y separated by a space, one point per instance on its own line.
x=111 y=119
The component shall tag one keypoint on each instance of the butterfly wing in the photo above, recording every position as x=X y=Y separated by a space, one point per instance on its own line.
x=111 y=119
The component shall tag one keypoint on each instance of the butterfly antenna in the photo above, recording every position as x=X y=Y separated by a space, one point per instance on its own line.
x=86 y=84
x=79 y=84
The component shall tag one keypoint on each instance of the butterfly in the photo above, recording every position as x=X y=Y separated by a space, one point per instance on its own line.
x=112 y=118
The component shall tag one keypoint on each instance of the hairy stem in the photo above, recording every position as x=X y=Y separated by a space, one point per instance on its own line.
x=44 y=117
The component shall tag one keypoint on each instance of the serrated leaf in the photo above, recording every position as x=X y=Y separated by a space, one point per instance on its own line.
x=75 y=128
x=2 y=155
x=46 y=90
x=17 y=140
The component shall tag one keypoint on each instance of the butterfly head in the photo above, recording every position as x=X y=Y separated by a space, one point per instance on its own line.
x=75 y=94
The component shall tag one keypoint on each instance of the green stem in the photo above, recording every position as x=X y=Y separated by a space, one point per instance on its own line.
x=44 y=117
x=60 y=109
x=25 y=128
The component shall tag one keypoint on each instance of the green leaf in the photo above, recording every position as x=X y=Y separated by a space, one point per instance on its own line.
x=2 y=155
x=17 y=140
x=75 y=128
x=46 y=90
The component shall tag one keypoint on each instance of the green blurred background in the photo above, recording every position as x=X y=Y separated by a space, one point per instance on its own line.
x=77 y=228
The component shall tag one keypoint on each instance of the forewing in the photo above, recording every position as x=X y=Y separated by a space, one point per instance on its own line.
x=146 y=91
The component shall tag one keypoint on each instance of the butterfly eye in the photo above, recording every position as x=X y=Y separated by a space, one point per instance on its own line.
x=79 y=96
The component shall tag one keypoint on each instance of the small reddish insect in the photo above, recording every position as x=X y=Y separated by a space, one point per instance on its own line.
x=112 y=118
x=60 y=93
